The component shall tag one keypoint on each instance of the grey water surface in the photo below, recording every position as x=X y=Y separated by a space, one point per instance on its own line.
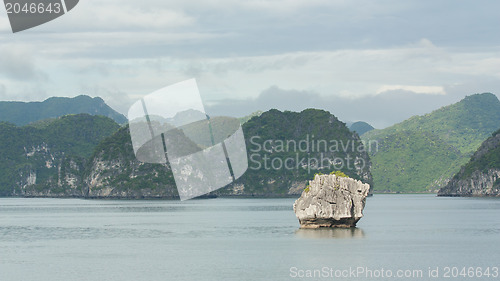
x=405 y=236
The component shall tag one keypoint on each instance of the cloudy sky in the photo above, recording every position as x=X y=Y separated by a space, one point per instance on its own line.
x=376 y=61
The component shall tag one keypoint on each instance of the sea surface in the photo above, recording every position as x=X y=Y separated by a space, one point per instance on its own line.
x=409 y=237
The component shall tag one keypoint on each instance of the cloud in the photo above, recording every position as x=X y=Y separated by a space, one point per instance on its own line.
x=431 y=90
x=3 y=90
x=4 y=24
x=380 y=111
x=116 y=16
x=225 y=28
x=471 y=64
x=407 y=72
x=18 y=63
x=254 y=55
x=102 y=17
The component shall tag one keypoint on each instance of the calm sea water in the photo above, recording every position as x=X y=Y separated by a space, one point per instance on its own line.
x=244 y=239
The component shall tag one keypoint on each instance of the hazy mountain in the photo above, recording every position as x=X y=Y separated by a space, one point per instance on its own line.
x=360 y=127
x=248 y=117
x=424 y=152
x=22 y=113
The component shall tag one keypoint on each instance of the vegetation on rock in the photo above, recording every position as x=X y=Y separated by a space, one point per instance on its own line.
x=424 y=152
x=481 y=175
x=47 y=154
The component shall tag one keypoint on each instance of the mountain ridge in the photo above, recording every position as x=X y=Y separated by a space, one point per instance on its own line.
x=361 y=127
x=23 y=113
x=455 y=131
x=112 y=170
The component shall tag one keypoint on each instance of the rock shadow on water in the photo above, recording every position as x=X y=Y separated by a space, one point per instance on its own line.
x=330 y=233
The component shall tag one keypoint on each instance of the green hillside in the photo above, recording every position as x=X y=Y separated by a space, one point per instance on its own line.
x=128 y=176
x=23 y=113
x=423 y=152
x=413 y=160
x=311 y=126
x=92 y=157
x=487 y=157
x=47 y=152
x=481 y=175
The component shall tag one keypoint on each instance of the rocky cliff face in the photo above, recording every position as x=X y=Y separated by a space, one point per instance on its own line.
x=81 y=158
x=481 y=176
x=61 y=177
x=111 y=172
x=285 y=150
x=114 y=172
x=477 y=184
x=331 y=201
x=49 y=159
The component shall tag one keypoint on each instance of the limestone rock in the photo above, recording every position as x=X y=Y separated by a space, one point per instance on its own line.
x=331 y=201
x=481 y=176
x=478 y=184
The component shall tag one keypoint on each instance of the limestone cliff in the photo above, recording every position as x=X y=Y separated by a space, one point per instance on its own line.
x=91 y=157
x=285 y=149
x=61 y=177
x=481 y=176
x=331 y=201
x=114 y=172
x=48 y=159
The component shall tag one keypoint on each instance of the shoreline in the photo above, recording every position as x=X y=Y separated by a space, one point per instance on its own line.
x=260 y=196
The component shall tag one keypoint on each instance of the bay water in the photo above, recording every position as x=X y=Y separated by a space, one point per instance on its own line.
x=401 y=237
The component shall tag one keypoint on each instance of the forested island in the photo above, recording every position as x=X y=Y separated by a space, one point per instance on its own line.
x=80 y=147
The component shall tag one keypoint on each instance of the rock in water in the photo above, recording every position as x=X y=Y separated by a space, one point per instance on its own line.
x=481 y=176
x=331 y=201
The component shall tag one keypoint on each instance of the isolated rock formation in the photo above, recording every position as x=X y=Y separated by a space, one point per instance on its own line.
x=331 y=201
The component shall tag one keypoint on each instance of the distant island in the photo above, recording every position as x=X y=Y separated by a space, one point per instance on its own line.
x=23 y=113
x=361 y=127
x=87 y=156
x=80 y=147
x=423 y=153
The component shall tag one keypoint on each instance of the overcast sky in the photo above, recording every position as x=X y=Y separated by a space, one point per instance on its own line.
x=376 y=61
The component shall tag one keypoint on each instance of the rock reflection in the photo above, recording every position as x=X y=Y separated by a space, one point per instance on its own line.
x=335 y=233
